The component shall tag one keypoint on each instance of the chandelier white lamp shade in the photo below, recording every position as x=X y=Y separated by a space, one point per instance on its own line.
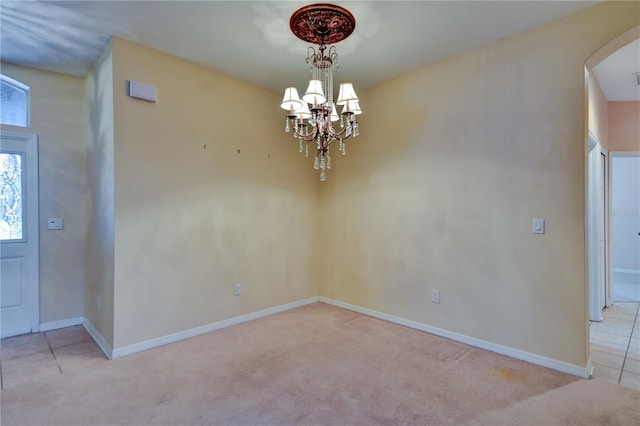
x=311 y=117
x=314 y=94
x=291 y=101
x=353 y=107
x=346 y=94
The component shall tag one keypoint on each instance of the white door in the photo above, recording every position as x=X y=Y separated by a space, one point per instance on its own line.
x=19 y=263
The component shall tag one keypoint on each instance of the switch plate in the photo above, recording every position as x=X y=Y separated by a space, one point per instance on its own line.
x=54 y=223
x=236 y=290
x=538 y=226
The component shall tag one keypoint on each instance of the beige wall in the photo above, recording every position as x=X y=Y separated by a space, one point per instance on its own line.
x=598 y=112
x=453 y=163
x=100 y=231
x=189 y=221
x=59 y=119
x=624 y=126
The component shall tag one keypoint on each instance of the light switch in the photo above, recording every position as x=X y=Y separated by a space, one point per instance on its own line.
x=538 y=226
x=54 y=223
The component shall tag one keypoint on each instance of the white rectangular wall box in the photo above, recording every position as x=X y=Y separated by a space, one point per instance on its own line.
x=143 y=91
x=54 y=223
x=538 y=226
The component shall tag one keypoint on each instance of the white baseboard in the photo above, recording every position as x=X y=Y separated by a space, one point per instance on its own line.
x=576 y=370
x=175 y=337
x=626 y=275
x=584 y=372
x=102 y=343
x=54 y=325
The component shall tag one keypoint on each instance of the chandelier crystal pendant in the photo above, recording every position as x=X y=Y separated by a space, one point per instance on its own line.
x=312 y=117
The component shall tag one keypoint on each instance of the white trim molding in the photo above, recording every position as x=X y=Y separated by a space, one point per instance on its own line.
x=590 y=368
x=54 y=325
x=83 y=321
x=97 y=337
x=626 y=275
x=576 y=370
x=175 y=337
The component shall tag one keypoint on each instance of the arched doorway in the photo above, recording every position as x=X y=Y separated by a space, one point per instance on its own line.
x=613 y=350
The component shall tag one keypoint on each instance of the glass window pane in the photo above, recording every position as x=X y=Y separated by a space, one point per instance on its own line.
x=10 y=196
x=14 y=104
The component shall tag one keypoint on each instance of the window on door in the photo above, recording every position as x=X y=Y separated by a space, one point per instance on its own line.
x=11 y=183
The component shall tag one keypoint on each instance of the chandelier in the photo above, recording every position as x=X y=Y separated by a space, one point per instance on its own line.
x=312 y=118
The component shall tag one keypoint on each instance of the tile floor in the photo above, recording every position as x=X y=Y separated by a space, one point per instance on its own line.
x=615 y=345
x=625 y=290
x=25 y=358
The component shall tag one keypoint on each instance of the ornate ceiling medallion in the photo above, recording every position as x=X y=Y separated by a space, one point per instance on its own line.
x=322 y=23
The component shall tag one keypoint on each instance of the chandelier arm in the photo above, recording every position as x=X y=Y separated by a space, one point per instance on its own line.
x=338 y=135
x=305 y=137
x=311 y=56
x=333 y=56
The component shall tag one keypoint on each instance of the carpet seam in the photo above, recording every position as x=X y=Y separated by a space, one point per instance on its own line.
x=52 y=352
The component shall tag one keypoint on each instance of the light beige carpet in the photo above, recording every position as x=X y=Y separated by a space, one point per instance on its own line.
x=584 y=402
x=317 y=365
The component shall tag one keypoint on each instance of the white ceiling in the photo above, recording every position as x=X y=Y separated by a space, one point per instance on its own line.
x=616 y=73
x=251 y=40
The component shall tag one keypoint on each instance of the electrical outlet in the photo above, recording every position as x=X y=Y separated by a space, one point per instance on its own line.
x=435 y=296
x=236 y=290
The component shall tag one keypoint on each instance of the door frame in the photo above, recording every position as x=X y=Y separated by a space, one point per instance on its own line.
x=604 y=217
x=30 y=142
